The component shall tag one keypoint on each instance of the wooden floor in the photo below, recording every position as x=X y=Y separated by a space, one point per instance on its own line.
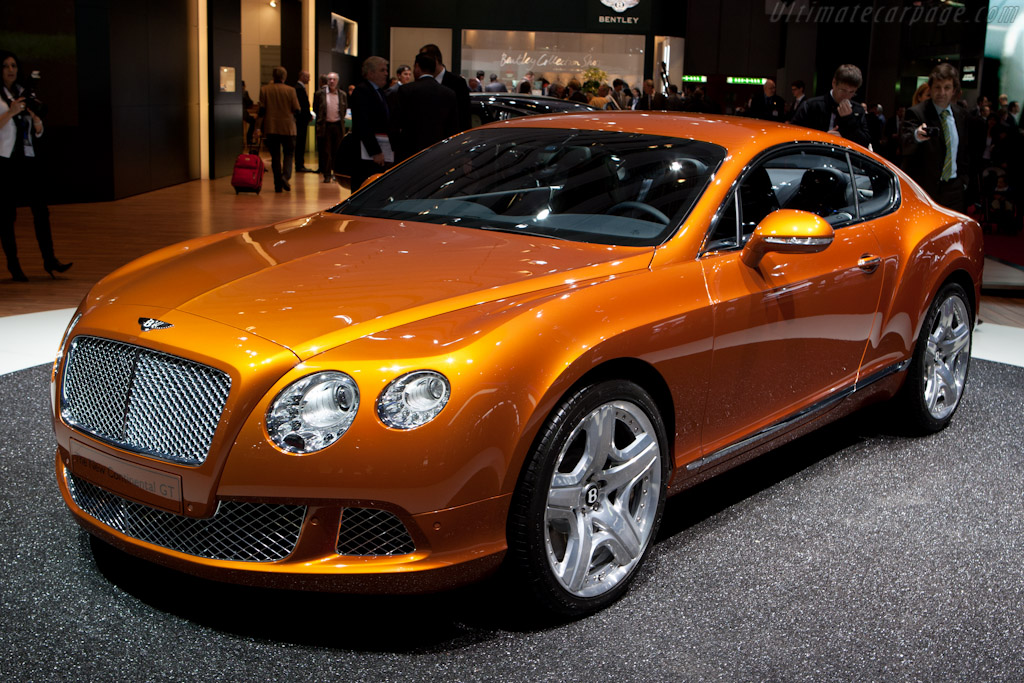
x=100 y=237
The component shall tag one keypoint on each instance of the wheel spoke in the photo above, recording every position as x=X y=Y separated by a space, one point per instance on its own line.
x=564 y=497
x=621 y=535
x=959 y=340
x=946 y=381
x=599 y=428
x=639 y=457
x=579 y=552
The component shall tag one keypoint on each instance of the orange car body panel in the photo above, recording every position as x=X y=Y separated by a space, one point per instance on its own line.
x=513 y=322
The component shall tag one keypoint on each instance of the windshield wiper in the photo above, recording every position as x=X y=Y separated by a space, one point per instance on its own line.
x=520 y=231
x=502 y=193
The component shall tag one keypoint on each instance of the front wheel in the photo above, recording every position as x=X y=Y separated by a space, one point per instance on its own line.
x=938 y=370
x=590 y=499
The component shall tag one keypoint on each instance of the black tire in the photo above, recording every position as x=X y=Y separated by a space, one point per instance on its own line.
x=576 y=541
x=938 y=371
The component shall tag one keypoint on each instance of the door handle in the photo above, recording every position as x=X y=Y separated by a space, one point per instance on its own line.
x=869 y=263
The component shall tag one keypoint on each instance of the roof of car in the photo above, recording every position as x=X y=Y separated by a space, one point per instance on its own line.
x=731 y=132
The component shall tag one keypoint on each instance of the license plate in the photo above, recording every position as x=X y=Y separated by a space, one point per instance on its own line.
x=126 y=479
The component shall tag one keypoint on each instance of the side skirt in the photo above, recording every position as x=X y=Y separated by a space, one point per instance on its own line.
x=882 y=383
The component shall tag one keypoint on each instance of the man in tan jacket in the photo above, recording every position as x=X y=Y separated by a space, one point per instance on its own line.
x=278 y=105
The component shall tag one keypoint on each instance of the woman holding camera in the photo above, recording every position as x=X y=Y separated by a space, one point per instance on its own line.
x=22 y=180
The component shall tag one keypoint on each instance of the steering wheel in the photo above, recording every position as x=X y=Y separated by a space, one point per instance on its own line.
x=645 y=208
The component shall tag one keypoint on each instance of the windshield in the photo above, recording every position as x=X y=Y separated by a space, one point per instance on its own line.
x=588 y=186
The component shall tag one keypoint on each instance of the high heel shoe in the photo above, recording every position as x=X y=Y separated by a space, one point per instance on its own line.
x=17 y=274
x=55 y=265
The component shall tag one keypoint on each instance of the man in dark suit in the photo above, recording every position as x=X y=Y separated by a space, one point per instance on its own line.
x=453 y=82
x=935 y=141
x=371 y=122
x=836 y=112
x=302 y=119
x=769 y=106
x=425 y=111
x=650 y=100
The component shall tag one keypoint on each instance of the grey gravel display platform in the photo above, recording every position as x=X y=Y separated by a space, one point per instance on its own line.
x=851 y=554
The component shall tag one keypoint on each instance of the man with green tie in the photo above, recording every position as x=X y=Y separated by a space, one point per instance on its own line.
x=935 y=140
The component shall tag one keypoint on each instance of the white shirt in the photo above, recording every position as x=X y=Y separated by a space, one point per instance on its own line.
x=9 y=132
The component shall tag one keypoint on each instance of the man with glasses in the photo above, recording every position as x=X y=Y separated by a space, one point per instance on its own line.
x=836 y=112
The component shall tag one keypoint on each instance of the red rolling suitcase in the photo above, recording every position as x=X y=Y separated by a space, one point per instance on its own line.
x=248 y=173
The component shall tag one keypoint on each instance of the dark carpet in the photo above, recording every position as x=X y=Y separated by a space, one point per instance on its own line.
x=852 y=554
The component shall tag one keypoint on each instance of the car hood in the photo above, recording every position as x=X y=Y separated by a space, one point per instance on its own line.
x=316 y=282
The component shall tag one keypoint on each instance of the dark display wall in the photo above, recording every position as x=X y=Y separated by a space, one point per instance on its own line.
x=224 y=31
x=132 y=129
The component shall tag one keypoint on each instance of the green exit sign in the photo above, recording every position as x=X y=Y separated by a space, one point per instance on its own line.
x=695 y=79
x=743 y=80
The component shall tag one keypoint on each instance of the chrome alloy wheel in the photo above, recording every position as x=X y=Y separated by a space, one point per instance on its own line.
x=947 y=356
x=603 y=500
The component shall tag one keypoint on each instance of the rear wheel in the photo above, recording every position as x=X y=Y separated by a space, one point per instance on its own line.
x=938 y=371
x=591 y=498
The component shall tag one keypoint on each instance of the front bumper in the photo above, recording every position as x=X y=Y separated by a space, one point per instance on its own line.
x=428 y=552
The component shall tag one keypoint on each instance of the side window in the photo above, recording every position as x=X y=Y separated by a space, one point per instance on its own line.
x=757 y=199
x=818 y=182
x=724 y=235
x=875 y=186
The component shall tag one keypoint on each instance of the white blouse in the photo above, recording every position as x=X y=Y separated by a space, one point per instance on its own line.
x=9 y=131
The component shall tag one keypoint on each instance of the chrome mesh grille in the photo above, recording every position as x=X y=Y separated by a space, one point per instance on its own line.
x=366 y=531
x=241 y=532
x=143 y=400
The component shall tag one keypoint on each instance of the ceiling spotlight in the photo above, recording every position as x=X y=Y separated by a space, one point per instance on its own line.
x=273 y=3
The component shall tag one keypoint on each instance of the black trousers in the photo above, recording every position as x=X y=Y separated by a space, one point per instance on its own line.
x=23 y=183
x=950 y=193
x=330 y=140
x=301 y=128
x=275 y=144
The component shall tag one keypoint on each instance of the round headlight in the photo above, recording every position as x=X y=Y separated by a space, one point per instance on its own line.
x=312 y=413
x=413 y=400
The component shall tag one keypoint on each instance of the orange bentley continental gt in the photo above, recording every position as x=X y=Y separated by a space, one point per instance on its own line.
x=510 y=348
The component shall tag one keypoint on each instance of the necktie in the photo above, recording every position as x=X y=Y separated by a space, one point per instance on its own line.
x=947 y=166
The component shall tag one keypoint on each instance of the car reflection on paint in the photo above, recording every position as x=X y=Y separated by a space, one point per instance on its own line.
x=511 y=349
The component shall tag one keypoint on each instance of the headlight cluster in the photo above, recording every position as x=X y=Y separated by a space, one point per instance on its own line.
x=313 y=412
x=413 y=400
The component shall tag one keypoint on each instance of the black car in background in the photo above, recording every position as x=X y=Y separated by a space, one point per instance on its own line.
x=488 y=107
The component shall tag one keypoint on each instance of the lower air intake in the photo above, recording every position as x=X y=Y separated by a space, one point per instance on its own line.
x=366 y=531
x=240 y=532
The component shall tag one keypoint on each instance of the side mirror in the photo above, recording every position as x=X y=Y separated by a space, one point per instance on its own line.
x=787 y=231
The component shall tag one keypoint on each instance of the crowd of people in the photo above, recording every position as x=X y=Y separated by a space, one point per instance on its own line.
x=966 y=157
x=392 y=118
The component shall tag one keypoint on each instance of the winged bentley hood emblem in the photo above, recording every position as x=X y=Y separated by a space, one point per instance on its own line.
x=148 y=324
x=620 y=5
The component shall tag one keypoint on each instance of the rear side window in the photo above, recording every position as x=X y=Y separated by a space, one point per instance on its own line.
x=876 y=187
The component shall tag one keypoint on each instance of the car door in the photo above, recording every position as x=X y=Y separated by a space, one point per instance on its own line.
x=790 y=333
